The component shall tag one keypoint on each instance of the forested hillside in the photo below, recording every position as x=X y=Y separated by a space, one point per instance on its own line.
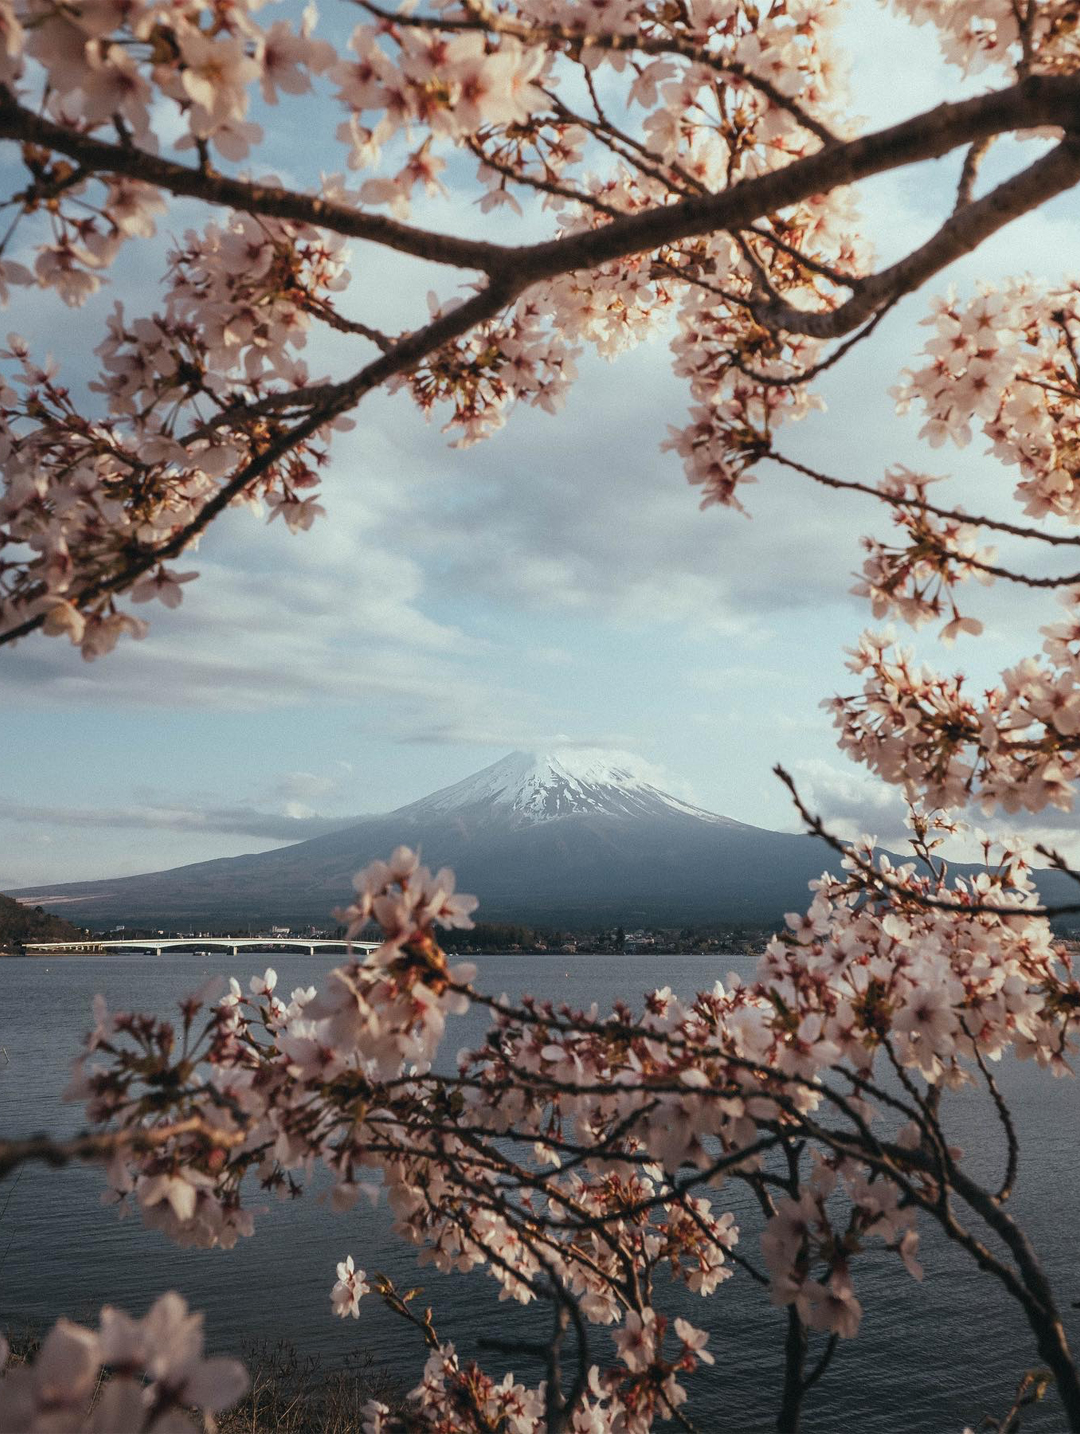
x=19 y=924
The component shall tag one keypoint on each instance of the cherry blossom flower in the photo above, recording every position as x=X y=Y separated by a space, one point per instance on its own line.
x=636 y=1341
x=157 y=1373
x=351 y=1285
x=162 y=584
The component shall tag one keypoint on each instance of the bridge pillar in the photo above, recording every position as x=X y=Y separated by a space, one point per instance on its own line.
x=235 y=950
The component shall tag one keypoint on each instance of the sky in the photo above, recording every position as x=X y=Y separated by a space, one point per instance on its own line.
x=553 y=586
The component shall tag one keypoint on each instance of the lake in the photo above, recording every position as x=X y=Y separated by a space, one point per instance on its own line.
x=929 y=1357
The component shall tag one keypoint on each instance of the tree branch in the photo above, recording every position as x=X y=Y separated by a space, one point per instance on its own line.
x=962 y=232
x=337 y=399
x=1040 y=100
x=19 y=123
x=894 y=500
x=99 y=1147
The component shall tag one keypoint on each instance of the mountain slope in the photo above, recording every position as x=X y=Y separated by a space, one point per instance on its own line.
x=574 y=839
x=526 y=788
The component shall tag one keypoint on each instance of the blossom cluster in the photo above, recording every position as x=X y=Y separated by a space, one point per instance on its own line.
x=450 y=1393
x=157 y=1376
x=1015 y=745
x=978 y=34
x=747 y=377
x=208 y=402
x=915 y=579
x=570 y=1147
x=1006 y=360
x=81 y=497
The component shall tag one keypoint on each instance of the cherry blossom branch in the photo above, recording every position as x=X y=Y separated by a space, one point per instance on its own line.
x=542 y=186
x=1004 y=1115
x=101 y=157
x=324 y=311
x=608 y=131
x=1042 y=99
x=805 y=375
x=576 y=40
x=48 y=1151
x=995 y=570
x=896 y=500
x=854 y=282
x=613 y=138
x=1025 y=24
x=1058 y=862
x=822 y=1364
x=335 y=400
x=794 y=1377
x=962 y=232
x=332 y=1081
x=896 y=890
x=969 y=173
x=1028 y=1284
x=890 y=1160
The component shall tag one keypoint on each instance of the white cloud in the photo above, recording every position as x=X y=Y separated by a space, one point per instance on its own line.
x=470 y=598
x=851 y=802
x=287 y=826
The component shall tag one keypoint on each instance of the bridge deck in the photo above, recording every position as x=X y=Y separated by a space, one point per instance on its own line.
x=233 y=944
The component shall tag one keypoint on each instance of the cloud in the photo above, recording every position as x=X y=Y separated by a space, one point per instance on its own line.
x=584 y=518
x=525 y=731
x=301 y=627
x=293 y=786
x=851 y=802
x=227 y=820
x=448 y=595
x=720 y=680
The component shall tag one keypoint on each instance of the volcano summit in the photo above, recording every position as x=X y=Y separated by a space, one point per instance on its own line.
x=577 y=837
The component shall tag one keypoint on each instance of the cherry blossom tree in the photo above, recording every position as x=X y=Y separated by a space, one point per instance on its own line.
x=692 y=168
x=578 y=1157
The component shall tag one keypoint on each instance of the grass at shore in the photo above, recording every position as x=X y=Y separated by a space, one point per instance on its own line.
x=291 y=1393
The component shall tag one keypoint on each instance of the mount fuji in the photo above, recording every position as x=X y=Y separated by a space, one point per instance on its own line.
x=579 y=838
x=527 y=788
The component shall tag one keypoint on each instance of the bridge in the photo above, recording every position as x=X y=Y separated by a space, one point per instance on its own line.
x=232 y=944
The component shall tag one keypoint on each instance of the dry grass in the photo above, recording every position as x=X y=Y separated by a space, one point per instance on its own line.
x=297 y=1394
x=290 y=1393
x=23 y=1345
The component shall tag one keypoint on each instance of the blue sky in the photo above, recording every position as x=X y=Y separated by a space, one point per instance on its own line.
x=555 y=585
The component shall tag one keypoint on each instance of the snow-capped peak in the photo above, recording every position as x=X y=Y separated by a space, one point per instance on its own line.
x=538 y=787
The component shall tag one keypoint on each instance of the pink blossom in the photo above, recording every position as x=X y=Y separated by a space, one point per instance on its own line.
x=347 y=1293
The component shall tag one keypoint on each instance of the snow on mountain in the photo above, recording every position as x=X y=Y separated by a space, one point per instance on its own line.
x=573 y=839
x=529 y=787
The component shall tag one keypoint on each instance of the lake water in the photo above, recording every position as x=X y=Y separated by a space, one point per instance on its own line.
x=929 y=1358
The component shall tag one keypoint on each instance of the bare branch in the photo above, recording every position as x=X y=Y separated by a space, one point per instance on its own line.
x=894 y=500
x=96 y=155
x=823 y=1363
x=1004 y=1115
x=969 y=173
x=962 y=231
x=45 y=1150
